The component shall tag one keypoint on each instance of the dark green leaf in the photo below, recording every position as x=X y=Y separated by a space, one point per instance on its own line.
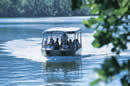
x=95 y=82
x=92 y=20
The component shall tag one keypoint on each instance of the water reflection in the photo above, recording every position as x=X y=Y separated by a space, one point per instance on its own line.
x=63 y=71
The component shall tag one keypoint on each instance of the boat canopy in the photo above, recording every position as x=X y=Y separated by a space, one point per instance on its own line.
x=68 y=30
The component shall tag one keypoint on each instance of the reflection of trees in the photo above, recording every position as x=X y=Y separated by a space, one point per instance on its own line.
x=68 y=71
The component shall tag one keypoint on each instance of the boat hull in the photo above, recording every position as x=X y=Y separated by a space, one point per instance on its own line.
x=67 y=52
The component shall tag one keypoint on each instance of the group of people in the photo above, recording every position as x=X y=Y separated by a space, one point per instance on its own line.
x=65 y=43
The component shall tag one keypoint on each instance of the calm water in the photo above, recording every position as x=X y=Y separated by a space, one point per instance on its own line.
x=22 y=63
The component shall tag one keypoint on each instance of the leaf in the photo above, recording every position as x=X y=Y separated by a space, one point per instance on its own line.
x=92 y=20
x=87 y=24
x=113 y=49
x=95 y=82
x=121 y=11
x=100 y=18
x=111 y=20
x=101 y=74
x=115 y=64
x=96 y=44
x=94 y=9
x=124 y=80
x=97 y=25
x=124 y=2
x=124 y=10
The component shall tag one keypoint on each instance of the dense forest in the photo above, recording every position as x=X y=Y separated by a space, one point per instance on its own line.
x=39 y=8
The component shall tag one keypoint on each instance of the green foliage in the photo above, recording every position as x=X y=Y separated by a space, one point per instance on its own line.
x=76 y=4
x=112 y=14
x=39 y=8
x=110 y=68
x=112 y=27
x=4 y=6
x=100 y=37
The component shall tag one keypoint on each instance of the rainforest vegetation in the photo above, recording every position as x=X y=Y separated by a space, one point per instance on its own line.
x=39 y=8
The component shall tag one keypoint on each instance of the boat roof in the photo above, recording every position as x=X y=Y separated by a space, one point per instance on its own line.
x=62 y=29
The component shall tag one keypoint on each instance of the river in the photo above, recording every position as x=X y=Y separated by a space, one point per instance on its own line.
x=22 y=63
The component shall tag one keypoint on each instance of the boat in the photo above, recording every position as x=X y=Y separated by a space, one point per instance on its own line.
x=69 y=41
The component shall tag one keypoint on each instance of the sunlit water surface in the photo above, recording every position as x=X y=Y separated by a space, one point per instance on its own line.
x=22 y=62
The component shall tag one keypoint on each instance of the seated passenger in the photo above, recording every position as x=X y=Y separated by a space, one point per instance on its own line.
x=70 y=44
x=74 y=43
x=77 y=44
x=57 y=46
x=45 y=43
x=64 y=38
x=51 y=43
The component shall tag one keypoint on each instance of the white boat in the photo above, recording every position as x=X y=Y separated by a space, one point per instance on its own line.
x=70 y=48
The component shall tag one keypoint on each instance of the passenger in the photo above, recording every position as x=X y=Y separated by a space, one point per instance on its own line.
x=57 y=46
x=70 y=44
x=74 y=43
x=64 y=38
x=67 y=42
x=45 y=43
x=51 y=43
x=77 y=44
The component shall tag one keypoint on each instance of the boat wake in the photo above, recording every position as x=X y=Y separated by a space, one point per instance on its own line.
x=31 y=49
x=26 y=48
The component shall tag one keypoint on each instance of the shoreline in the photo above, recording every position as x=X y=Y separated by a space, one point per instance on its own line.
x=48 y=16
